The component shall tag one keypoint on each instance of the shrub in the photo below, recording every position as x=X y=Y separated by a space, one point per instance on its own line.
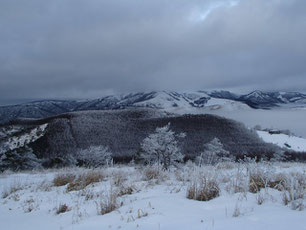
x=83 y=181
x=237 y=211
x=262 y=176
x=294 y=189
x=94 y=156
x=119 y=178
x=154 y=173
x=62 y=208
x=298 y=205
x=63 y=179
x=109 y=203
x=126 y=190
x=256 y=183
x=204 y=190
x=14 y=187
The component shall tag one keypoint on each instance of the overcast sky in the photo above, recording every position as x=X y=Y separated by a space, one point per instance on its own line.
x=89 y=48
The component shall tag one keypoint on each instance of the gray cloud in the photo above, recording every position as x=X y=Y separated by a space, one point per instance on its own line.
x=80 y=48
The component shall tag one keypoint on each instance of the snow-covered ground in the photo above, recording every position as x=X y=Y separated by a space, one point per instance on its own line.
x=284 y=141
x=31 y=200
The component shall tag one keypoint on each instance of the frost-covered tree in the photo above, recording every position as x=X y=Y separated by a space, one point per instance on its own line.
x=214 y=153
x=279 y=156
x=161 y=147
x=19 y=159
x=94 y=156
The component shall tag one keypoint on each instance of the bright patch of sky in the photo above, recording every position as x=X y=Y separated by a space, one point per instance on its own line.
x=200 y=14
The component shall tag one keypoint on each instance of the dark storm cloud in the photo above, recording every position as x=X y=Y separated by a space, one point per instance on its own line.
x=81 y=48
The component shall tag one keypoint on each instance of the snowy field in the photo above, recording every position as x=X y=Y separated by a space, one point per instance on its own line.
x=284 y=141
x=239 y=196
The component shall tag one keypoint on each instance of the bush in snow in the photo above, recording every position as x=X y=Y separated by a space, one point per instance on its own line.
x=83 y=180
x=204 y=189
x=62 y=208
x=109 y=203
x=94 y=156
x=161 y=147
x=294 y=190
x=214 y=153
x=153 y=172
x=63 y=179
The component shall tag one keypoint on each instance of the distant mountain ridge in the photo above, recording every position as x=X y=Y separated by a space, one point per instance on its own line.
x=155 y=99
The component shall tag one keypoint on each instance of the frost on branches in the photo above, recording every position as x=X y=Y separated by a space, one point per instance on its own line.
x=214 y=153
x=161 y=147
x=18 y=159
x=94 y=156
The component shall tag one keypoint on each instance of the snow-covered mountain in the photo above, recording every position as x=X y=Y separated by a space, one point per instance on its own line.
x=258 y=99
x=167 y=100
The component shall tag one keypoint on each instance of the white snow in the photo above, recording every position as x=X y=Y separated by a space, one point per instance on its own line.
x=284 y=141
x=164 y=101
x=21 y=140
x=225 y=104
x=156 y=204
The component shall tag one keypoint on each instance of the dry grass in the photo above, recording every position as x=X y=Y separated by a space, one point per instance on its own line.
x=236 y=212
x=204 y=190
x=151 y=173
x=154 y=173
x=293 y=190
x=126 y=190
x=292 y=186
x=5 y=194
x=119 y=178
x=298 y=205
x=82 y=181
x=260 y=198
x=29 y=205
x=63 y=179
x=108 y=204
x=258 y=182
x=14 y=187
x=62 y=208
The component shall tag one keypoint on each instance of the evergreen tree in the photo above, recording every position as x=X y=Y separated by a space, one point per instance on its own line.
x=19 y=159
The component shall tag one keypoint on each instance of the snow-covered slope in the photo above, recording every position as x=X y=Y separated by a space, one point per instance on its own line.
x=284 y=141
x=18 y=137
x=226 y=104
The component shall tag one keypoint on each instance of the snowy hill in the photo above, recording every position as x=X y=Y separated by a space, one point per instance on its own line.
x=285 y=141
x=124 y=130
x=167 y=100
